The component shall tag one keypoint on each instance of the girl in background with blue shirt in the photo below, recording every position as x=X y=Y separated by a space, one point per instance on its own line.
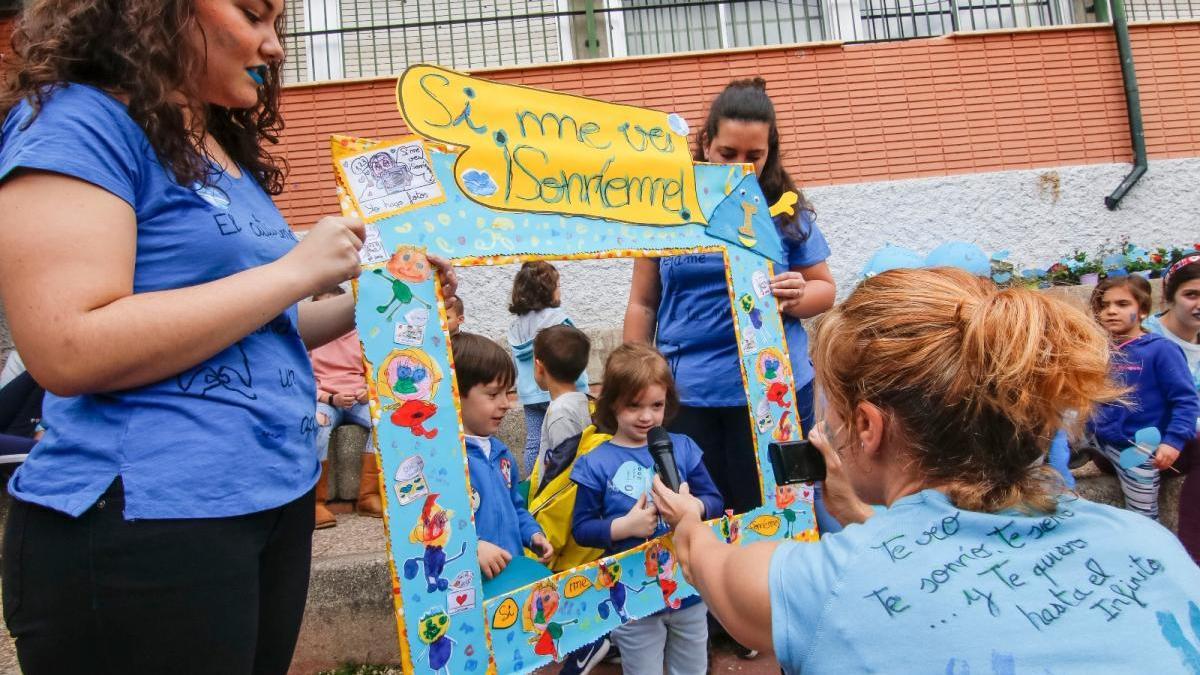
x=1161 y=394
x=682 y=302
x=165 y=520
x=615 y=512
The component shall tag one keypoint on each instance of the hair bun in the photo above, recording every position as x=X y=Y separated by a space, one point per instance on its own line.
x=759 y=83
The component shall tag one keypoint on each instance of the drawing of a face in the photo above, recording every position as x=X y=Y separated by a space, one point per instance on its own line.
x=434 y=626
x=433 y=529
x=409 y=264
x=380 y=163
x=785 y=496
x=608 y=574
x=393 y=176
x=542 y=605
x=659 y=557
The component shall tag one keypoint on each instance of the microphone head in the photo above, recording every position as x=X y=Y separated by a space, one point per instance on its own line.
x=658 y=437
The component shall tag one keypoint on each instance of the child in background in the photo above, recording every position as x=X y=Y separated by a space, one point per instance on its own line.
x=342 y=399
x=613 y=510
x=1161 y=391
x=535 y=303
x=484 y=373
x=455 y=315
x=560 y=355
x=1180 y=323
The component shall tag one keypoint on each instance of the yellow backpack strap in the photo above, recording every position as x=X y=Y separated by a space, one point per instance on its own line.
x=590 y=440
x=535 y=479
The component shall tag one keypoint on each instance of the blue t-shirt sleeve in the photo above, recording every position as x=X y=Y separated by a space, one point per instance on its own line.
x=80 y=132
x=588 y=524
x=814 y=249
x=528 y=525
x=1179 y=393
x=801 y=579
x=700 y=484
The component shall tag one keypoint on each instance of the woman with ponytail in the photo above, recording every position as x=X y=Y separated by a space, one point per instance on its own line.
x=682 y=302
x=943 y=394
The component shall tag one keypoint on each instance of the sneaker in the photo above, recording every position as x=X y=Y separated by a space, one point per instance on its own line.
x=582 y=660
x=743 y=652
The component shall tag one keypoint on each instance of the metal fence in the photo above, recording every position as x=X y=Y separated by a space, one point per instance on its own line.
x=334 y=39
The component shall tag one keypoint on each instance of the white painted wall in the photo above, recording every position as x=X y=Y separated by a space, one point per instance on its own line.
x=1021 y=211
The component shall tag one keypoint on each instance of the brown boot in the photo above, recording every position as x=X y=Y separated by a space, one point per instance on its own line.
x=325 y=517
x=369 y=502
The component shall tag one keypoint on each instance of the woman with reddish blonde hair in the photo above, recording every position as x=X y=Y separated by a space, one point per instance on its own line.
x=943 y=393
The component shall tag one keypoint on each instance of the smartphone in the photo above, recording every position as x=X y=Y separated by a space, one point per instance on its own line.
x=796 y=462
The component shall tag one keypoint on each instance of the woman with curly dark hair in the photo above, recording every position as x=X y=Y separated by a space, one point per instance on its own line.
x=165 y=520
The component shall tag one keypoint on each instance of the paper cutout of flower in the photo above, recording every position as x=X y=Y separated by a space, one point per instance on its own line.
x=1145 y=442
x=479 y=182
x=678 y=124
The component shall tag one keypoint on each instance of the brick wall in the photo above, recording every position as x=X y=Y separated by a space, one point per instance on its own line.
x=850 y=113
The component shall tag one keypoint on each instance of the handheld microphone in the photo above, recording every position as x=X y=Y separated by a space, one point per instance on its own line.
x=663 y=454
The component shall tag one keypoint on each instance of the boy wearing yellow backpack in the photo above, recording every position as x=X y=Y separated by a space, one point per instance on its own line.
x=560 y=354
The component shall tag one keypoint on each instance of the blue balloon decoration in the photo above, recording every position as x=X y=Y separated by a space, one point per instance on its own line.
x=962 y=255
x=892 y=258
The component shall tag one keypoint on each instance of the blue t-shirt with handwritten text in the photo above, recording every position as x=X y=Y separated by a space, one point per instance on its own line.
x=925 y=587
x=695 y=323
x=229 y=436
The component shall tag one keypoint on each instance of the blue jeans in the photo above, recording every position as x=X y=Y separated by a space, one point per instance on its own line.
x=534 y=414
x=359 y=413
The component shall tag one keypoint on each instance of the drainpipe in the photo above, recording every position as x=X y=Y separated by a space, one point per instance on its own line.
x=1132 y=103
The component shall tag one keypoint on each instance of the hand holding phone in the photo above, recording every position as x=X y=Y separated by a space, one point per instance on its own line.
x=796 y=462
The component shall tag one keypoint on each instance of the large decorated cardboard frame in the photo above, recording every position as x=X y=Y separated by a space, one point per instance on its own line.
x=499 y=174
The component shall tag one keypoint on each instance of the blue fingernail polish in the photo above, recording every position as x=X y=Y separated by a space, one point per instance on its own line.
x=258 y=74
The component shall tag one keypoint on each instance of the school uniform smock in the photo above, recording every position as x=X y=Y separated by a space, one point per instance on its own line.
x=925 y=587
x=501 y=517
x=230 y=436
x=696 y=333
x=1163 y=394
x=612 y=478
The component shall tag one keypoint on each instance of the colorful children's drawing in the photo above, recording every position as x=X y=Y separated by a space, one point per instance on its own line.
x=438 y=645
x=503 y=174
x=608 y=577
x=660 y=565
x=390 y=178
x=433 y=532
x=537 y=618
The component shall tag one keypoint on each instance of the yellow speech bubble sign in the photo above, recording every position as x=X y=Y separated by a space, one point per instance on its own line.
x=506 y=614
x=767 y=526
x=548 y=152
x=576 y=586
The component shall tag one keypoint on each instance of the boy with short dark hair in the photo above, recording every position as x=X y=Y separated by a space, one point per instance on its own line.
x=484 y=373
x=560 y=355
x=455 y=315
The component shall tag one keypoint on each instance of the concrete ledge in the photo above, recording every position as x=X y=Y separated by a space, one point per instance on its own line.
x=348 y=617
x=345 y=456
